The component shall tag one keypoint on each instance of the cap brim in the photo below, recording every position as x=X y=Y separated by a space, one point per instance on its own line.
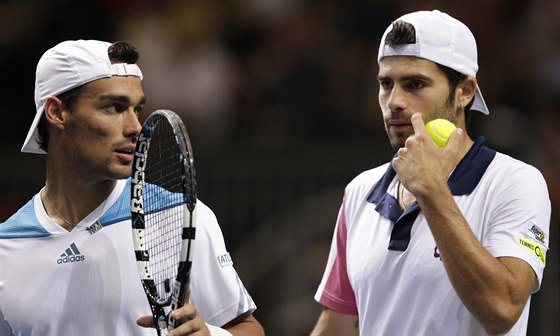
x=479 y=104
x=30 y=144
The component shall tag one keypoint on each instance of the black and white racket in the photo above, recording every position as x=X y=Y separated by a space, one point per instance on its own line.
x=163 y=209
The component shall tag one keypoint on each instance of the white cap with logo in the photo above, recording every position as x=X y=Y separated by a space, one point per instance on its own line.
x=66 y=66
x=442 y=39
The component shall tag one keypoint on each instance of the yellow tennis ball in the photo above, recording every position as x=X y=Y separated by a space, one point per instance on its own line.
x=440 y=130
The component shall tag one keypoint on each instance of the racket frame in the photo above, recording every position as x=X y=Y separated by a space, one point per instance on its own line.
x=182 y=280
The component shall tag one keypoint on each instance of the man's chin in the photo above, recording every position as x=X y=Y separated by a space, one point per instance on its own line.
x=121 y=174
x=397 y=143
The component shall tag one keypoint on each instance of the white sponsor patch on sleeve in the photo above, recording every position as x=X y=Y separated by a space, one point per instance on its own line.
x=225 y=260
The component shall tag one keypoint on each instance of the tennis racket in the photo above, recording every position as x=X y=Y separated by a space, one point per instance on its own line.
x=163 y=210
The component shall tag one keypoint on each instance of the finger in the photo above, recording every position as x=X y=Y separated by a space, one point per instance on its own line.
x=184 y=313
x=455 y=140
x=191 y=327
x=183 y=329
x=188 y=295
x=401 y=153
x=145 y=321
x=418 y=124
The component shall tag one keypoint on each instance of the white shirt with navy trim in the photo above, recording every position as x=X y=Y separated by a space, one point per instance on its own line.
x=392 y=277
x=55 y=282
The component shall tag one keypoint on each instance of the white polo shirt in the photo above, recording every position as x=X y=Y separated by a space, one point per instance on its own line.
x=391 y=275
x=54 y=282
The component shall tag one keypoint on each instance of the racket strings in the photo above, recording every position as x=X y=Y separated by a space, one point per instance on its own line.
x=164 y=226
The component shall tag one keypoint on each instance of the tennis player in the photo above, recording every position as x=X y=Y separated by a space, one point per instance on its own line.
x=438 y=241
x=67 y=257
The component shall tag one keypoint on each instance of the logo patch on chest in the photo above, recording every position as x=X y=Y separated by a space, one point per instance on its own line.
x=70 y=255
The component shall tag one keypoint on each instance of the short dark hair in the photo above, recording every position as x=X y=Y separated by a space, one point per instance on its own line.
x=404 y=33
x=123 y=52
x=119 y=52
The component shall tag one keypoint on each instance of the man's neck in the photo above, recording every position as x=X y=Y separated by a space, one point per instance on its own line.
x=69 y=202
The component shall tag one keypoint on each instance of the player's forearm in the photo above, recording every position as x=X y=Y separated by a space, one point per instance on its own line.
x=246 y=328
x=484 y=285
x=331 y=323
x=245 y=325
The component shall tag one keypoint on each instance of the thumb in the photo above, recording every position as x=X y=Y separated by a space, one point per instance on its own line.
x=145 y=321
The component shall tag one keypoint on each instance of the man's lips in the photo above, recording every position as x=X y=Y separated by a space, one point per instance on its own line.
x=125 y=153
x=398 y=125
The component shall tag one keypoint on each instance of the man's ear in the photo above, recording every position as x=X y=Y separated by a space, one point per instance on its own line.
x=54 y=111
x=466 y=91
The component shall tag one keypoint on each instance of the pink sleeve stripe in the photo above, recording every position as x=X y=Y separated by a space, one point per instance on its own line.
x=338 y=294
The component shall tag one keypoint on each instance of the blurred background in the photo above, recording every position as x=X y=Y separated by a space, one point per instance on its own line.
x=280 y=99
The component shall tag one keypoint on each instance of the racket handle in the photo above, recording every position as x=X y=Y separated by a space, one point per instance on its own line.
x=162 y=326
x=177 y=301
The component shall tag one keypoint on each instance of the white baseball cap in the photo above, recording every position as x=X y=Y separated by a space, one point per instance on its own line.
x=442 y=39
x=66 y=66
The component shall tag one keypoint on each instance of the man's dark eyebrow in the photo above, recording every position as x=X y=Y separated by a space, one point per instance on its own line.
x=406 y=78
x=121 y=99
x=417 y=77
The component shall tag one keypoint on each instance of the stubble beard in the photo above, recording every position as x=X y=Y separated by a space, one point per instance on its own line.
x=445 y=111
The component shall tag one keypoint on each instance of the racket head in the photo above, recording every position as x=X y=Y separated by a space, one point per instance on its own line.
x=163 y=201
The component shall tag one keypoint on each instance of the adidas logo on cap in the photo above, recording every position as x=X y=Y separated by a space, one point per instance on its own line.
x=72 y=254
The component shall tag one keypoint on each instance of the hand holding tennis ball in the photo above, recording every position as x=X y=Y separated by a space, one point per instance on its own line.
x=440 y=130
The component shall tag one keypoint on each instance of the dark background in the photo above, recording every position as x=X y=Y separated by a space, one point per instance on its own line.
x=280 y=99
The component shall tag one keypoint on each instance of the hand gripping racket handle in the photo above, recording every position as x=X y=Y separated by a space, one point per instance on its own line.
x=182 y=281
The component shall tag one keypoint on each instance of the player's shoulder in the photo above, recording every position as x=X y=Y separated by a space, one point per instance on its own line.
x=18 y=215
x=207 y=227
x=511 y=168
x=361 y=186
x=367 y=179
x=508 y=176
x=23 y=223
x=204 y=209
x=206 y=217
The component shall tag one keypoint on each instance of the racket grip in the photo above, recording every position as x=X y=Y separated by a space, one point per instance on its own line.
x=177 y=301
x=162 y=326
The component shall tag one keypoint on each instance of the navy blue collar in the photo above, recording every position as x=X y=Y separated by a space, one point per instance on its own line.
x=462 y=181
